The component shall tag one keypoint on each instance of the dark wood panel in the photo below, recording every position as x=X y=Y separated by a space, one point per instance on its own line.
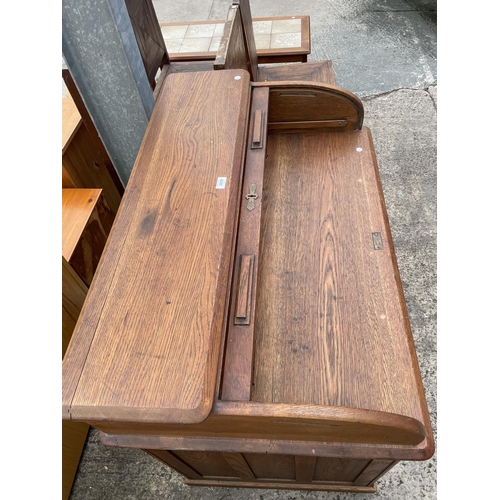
x=239 y=465
x=173 y=461
x=338 y=469
x=86 y=169
x=271 y=466
x=303 y=101
x=148 y=35
x=304 y=468
x=251 y=51
x=74 y=435
x=231 y=53
x=373 y=471
x=320 y=72
x=207 y=463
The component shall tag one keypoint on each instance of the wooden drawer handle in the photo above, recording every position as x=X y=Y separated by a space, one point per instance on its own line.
x=244 y=290
x=258 y=129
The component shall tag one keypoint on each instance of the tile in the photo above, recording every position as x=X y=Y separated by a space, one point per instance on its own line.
x=283 y=40
x=262 y=41
x=200 y=30
x=173 y=44
x=214 y=45
x=262 y=27
x=173 y=31
x=219 y=29
x=195 y=45
x=287 y=26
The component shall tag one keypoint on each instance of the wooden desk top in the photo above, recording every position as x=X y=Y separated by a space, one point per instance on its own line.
x=146 y=346
x=334 y=359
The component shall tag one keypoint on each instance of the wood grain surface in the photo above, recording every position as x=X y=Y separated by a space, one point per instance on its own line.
x=232 y=53
x=282 y=446
x=331 y=323
x=238 y=362
x=147 y=343
x=297 y=422
x=148 y=35
x=250 y=49
x=302 y=101
x=317 y=71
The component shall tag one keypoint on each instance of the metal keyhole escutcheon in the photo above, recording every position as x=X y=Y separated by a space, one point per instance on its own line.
x=251 y=197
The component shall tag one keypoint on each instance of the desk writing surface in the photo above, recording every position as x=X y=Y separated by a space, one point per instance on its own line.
x=331 y=323
x=147 y=343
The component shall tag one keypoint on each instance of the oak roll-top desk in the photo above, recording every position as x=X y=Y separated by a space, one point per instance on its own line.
x=246 y=324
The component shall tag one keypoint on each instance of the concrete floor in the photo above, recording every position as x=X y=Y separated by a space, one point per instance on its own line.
x=385 y=52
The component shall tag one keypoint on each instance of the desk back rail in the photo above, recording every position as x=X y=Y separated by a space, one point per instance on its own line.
x=238 y=363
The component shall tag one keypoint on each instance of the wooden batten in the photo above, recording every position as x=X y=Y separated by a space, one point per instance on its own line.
x=232 y=51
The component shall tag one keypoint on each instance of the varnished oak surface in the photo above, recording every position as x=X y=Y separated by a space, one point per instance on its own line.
x=148 y=34
x=238 y=362
x=232 y=52
x=325 y=390
x=320 y=72
x=251 y=420
x=308 y=101
x=147 y=343
x=423 y=451
x=331 y=322
x=251 y=51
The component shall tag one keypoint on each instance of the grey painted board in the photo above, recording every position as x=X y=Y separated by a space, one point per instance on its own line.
x=102 y=55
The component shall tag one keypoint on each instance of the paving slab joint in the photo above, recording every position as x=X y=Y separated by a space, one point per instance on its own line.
x=381 y=94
